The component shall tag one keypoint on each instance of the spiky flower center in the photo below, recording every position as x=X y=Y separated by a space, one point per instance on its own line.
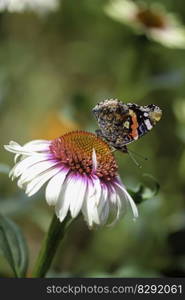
x=75 y=150
x=150 y=19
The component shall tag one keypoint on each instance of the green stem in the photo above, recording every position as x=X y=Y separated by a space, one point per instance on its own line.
x=50 y=244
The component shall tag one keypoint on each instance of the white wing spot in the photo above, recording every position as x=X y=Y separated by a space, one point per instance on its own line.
x=148 y=124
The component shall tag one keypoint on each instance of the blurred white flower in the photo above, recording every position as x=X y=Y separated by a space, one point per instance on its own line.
x=22 y=5
x=154 y=21
x=81 y=172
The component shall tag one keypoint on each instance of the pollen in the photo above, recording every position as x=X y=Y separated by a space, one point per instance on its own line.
x=75 y=149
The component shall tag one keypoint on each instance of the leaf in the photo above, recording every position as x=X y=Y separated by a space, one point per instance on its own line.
x=13 y=246
x=144 y=192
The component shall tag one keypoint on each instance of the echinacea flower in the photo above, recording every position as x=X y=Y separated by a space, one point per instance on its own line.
x=39 y=6
x=81 y=175
x=152 y=20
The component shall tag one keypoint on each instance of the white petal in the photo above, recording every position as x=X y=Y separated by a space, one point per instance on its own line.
x=116 y=205
x=78 y=195
x=38 y=182
x=113 y=195
x=89 y=208
x=29 y=148
x=37 y=145
x=21 y=166
x=94 y=160
x=103 y=207
x=12 y=143
x=16 y=149
x=133 y=205
x=126 y=195
x=54 y=187
x=16 y=157
x=173 y=37
x=105 y=213
x=65 y=198
x=38 y=142
x=37 y=169
x=97 y=189
x=122 y=10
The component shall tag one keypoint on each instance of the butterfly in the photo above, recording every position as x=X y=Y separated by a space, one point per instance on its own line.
x=122 y=123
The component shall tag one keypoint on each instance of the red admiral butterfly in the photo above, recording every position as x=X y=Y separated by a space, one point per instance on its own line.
x=121 y=124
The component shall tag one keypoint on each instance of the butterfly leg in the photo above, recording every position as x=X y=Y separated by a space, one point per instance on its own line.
x=124 y=149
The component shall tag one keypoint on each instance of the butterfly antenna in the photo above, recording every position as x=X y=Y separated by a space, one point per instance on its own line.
x=133 y=159
x=139 y=155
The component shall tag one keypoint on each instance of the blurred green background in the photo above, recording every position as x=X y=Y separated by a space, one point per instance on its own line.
x=55 y=65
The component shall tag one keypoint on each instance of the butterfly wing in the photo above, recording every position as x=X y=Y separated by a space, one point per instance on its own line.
x=121 y=124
